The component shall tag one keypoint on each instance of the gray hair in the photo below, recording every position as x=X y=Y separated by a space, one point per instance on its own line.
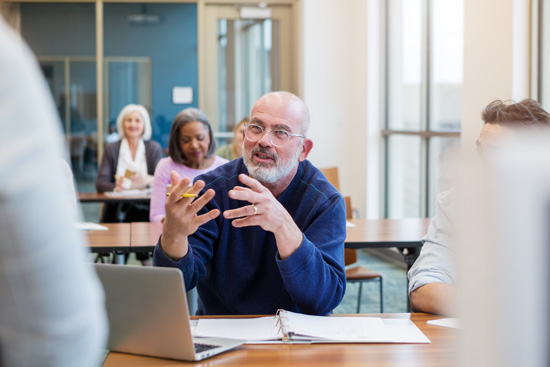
x=147 y=130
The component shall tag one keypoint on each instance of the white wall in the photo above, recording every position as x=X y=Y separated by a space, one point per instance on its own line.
x=339 y=76
x=496 y=58
x=334 y=86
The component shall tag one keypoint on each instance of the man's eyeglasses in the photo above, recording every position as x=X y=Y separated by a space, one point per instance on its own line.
x=278 y=137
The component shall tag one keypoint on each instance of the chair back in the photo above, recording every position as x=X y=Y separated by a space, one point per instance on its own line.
x=349 y=254
x=349 y=211
x=331 y=173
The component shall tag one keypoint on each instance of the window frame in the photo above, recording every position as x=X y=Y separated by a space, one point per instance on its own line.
x=540 y=73
x=424 y=133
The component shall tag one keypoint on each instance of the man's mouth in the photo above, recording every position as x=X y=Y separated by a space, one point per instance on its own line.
x=263 y=157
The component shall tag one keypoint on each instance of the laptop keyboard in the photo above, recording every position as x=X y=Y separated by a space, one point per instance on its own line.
x=204 y=347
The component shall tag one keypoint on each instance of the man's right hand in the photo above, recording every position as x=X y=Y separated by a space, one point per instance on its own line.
x=181 y=215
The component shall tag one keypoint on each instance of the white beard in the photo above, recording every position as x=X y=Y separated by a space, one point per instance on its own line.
x=266 y=174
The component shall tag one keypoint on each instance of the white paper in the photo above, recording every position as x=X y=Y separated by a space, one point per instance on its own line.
x=89 y=226
x=133 y=192
x=336 y=328
x=450 y=323
x=256 y=329
x=182 y=95
x=404 y=331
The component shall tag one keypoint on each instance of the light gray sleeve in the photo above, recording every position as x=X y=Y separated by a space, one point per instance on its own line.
x=69 y=185
x=51 y=303
x=436 y=261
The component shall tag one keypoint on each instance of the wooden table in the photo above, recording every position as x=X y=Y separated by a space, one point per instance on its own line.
x=440 y=353
x=117 y=239
x=94 y=197
x=384 y=233
x=116 y=202
x=144 y=236
x=404 y=234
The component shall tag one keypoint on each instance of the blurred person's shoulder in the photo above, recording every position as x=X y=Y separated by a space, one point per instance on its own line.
x=447 y=198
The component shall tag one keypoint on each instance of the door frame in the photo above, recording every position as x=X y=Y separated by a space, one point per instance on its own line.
x=207 y=53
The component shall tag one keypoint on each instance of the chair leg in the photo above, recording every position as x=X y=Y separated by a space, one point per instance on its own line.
x=381 y=296
x=359 y=296
x=99 y=258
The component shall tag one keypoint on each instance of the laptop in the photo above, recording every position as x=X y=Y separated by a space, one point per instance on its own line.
x=148 y=314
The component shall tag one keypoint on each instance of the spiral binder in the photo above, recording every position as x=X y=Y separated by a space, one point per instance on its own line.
x=282 y=323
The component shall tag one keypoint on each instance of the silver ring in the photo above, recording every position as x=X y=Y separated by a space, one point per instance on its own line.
x=255 y=209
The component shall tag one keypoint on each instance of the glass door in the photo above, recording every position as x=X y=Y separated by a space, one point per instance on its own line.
x=72 y=82
x=249 y=57
x=128 y=81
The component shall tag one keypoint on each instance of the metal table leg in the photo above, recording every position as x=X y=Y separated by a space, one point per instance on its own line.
x=118 y=258
x=410 y=254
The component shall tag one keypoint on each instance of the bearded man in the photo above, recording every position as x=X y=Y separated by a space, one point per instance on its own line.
x=279 y=243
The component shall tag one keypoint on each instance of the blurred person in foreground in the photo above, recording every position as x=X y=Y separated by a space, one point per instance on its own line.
x=51 y=303
x=279 y=241
x=235 y=149
x=432 y=276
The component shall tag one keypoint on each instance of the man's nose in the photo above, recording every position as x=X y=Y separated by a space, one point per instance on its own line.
x=265 y=140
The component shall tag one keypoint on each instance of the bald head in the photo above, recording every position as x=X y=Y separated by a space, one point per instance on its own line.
x=287 y=105
x=286 y=116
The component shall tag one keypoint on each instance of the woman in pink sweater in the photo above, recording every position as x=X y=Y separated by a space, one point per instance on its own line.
x=190 y=153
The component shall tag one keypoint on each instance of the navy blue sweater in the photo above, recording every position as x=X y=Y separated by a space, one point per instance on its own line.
x=238 y=270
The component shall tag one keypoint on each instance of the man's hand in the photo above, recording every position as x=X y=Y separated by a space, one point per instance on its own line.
x=265 y=211
x=181 y=215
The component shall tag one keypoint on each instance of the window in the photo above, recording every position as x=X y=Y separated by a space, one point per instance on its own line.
x=424 y=54
x=136 y=67
x=544 y=53
x=68 y=62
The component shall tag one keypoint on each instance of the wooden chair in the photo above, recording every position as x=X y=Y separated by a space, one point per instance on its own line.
x=360 y=274
x=331 y=173
x=355 y=274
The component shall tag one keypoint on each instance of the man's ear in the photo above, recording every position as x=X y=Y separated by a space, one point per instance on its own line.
x=307 y=145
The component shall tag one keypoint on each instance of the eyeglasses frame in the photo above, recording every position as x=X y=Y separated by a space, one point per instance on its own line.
x=290 y=135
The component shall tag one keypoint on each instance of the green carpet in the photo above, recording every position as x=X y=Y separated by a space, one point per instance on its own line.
x=395 y=288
